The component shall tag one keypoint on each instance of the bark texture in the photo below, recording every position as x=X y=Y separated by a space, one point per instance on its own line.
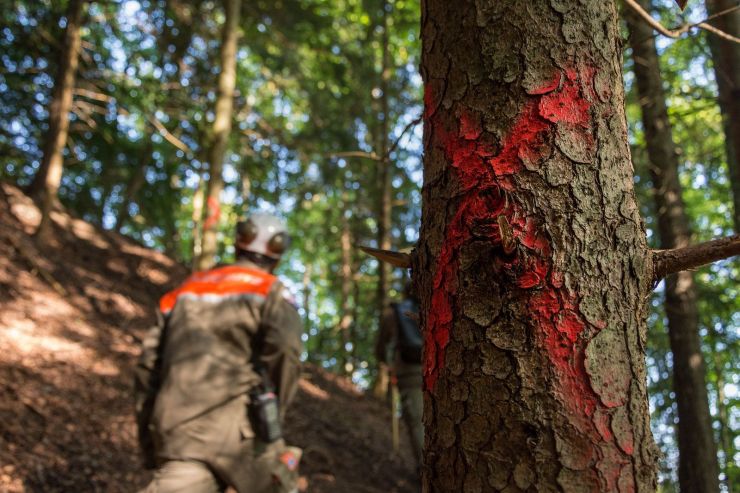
x=726 y=58
x=698 y=470
x=46 y=183
x=533 y=264
x=221 y=131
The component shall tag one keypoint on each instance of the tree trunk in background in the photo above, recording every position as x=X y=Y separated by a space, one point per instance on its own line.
x=385 y=199
x=45 y=185
x=221 y=131
x=728 y=450
x=533 y=266
x=698 y=470
x=345 y=320
x=197 y=218
x=726 y=59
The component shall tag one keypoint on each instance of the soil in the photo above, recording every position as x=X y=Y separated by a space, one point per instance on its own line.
x=72 y=314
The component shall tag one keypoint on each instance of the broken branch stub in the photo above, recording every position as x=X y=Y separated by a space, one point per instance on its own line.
x=397 y=259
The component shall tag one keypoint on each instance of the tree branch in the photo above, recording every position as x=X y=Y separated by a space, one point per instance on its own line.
x=675 y=33
x=411 y=124
x=361 y=154
x=667 y=262
x=172 y=139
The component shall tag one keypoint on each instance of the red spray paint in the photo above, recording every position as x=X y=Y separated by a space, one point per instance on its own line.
x=487 y=187
x=214 y=212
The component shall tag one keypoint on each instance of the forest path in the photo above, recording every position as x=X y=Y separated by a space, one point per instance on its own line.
x=71 y=318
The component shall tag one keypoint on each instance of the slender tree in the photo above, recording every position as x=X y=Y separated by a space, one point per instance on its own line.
x=221 y=130
x=46 y=183
x=726 y=59
x=346 y=313
x=533 y=265
x=698 y=469
x=384 y=163
x=385 y=186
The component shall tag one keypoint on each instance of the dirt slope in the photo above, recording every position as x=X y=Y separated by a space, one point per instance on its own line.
x=71 y=317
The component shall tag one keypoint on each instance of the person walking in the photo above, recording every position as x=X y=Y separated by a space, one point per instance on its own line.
x=218 y=371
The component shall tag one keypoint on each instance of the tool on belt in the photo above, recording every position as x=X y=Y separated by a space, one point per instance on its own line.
x=263 y=409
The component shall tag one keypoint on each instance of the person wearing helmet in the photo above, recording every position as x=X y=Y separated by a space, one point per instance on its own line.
x=218 y=371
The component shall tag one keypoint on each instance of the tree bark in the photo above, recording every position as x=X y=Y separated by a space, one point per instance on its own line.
x=533 y=264
x=45 y=185
x=726 y=59
x=221 y=131
x=698 y=469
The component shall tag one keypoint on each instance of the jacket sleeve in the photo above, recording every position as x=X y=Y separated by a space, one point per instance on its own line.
x=146 y=386
x=281 y=348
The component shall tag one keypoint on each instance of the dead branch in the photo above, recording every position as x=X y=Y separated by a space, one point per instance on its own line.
x=667 y=262
x=362 y=154
x=397 y=259
x=675 y=33
x=411 y=124
x=169 y=136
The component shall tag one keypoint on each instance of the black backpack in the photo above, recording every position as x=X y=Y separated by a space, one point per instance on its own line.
x=409 y=342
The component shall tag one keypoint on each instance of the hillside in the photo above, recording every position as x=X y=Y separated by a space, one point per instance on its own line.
x=71 y=316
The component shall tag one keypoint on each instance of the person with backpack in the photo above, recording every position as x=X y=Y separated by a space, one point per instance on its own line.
x=218 y=371
x=399 y=347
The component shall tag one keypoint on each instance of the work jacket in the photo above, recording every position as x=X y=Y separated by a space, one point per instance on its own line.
x=213 y=331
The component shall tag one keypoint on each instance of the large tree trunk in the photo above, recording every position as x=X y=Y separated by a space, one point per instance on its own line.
x=698 y=469
x=726 y=58
x=221 y=131
x=533 y=264
x=46 y=183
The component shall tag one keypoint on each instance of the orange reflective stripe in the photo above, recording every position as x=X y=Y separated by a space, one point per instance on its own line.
x=222 y=281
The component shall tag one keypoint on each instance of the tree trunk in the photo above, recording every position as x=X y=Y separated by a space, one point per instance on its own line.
x=698 y=469
x=385 y=195
x=533 y=264
x=46 y=183
x=723 y=420
x=221 y=130
x=197 y=218
x=345 y=320
x=726 y=58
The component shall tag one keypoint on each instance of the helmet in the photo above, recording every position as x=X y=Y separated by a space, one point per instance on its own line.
x=264 y=234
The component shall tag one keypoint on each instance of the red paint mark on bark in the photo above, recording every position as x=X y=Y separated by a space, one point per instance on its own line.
x=487 y=189
x=566 y=105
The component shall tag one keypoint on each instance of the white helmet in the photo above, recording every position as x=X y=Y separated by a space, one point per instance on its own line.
x=264 y=234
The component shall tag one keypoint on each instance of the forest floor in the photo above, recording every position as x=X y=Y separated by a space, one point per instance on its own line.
x=72 y=314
